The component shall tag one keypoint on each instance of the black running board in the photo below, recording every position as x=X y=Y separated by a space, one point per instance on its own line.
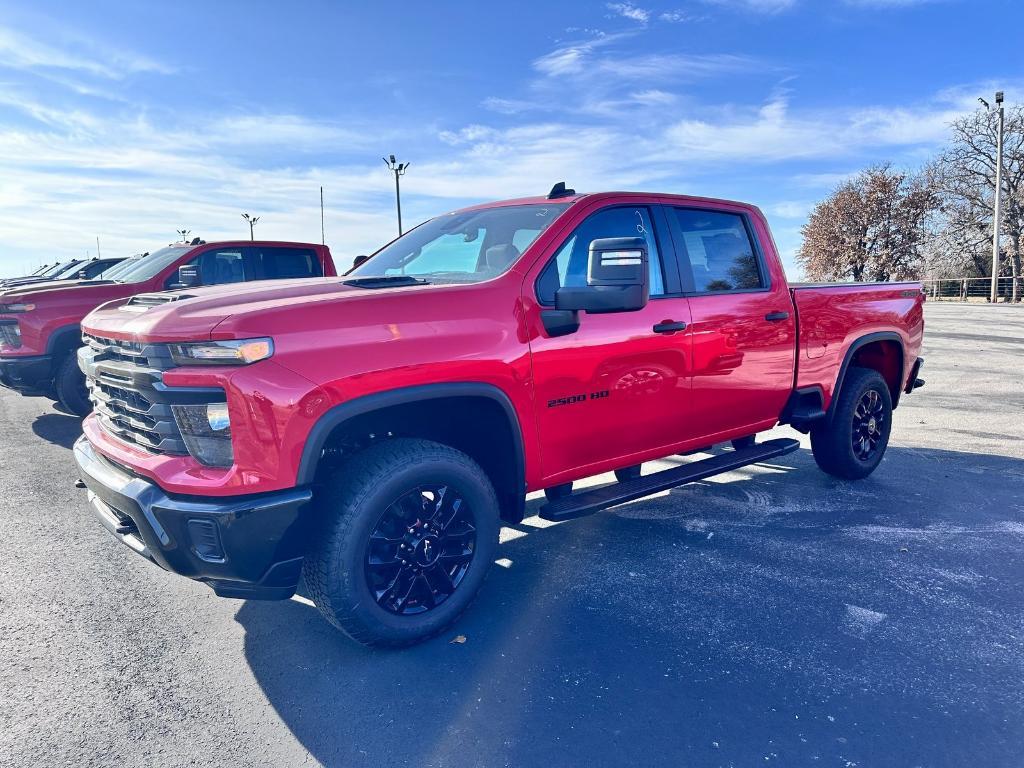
x=588 y=502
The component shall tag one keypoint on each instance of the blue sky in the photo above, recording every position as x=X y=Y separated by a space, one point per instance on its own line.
x=130 y=120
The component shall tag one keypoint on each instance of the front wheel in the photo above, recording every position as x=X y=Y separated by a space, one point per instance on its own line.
x=69 y=386
x=851 y=443
x=408 y=531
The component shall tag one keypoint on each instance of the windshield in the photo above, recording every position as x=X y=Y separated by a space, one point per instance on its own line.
x=462 y=247
x=150 y=266
x=115 y=271
x=55 y=269
x=70 y=270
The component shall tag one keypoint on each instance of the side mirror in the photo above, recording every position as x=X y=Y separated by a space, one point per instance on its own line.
x=617 y=278
x=358 y=260
x=188 y=277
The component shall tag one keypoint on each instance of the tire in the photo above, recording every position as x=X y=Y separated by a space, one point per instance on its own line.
x=852 y=440
x=627 y=473
x=361 y=499
x=743 y=442
x=69 y=386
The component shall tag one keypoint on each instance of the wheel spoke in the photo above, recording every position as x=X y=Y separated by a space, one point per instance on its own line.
x=420 y=550
x=439 y=581
x=448 y=506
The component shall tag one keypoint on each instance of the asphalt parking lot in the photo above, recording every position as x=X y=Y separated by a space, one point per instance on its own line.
x=773 y=616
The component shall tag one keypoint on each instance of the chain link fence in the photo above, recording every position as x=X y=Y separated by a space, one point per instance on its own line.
x=970 y=289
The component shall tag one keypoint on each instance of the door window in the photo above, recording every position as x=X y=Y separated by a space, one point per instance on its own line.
x=720 y=251
x=217 y=267
x=269 y=263
x=569 y=265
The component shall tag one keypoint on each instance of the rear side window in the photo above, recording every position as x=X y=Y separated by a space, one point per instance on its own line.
x=569 y=265
x=720 y=251
x=284 y=263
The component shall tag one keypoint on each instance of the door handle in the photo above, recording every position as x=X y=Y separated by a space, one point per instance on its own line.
x=669 y=326
x=775 y=317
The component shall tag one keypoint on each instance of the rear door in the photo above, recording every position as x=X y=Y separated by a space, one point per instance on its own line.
x=743 y=324
x=615 y=387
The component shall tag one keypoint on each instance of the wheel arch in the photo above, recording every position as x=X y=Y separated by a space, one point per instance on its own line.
x=882 y=351
x=62 y=341
x=475 y=417
x=65 y=339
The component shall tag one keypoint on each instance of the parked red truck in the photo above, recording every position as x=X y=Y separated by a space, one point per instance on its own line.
x=371 y=432
x=40 y=324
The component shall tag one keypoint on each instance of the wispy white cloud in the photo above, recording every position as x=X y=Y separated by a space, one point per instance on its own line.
x=572 y=58
x=678 y=17
x=22 y=52
x=772 y=133
x=629 y=11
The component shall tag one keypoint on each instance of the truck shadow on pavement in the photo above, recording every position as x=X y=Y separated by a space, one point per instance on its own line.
x=781 y=616
x=58 y=428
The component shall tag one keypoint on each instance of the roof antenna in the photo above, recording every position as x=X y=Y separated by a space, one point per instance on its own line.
x=559 y=190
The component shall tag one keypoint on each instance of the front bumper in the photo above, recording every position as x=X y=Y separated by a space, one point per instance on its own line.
x=242 y=546
x=26 y=374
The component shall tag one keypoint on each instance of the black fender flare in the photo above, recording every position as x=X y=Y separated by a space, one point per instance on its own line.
x=59 y=337
x=857 y=344
x=55 y=345
x=339 y=414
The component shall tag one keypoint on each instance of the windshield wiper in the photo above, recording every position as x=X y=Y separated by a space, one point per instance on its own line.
x=384 y=281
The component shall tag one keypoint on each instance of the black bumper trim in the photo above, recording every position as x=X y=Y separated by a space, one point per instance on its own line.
x=913 y=382
x=264 y=536
x=26 y=374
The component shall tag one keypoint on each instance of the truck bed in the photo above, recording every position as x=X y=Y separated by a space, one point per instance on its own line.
x=831 y=316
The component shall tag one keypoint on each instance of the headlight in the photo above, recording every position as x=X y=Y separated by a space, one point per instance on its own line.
x=10 y=334
x=240 y=352
x=206 y=430
x=13 y=309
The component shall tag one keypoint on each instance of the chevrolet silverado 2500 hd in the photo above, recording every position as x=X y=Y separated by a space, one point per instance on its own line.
x=39 y=323
x=370 y=432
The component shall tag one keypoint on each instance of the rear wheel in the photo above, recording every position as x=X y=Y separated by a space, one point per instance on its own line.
x=851 y=443
x=409 y=529
x=69 y=385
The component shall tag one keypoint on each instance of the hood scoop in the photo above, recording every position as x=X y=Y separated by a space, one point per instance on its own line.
x=146 y=300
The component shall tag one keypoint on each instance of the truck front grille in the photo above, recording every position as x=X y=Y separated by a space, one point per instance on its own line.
x=131 y=402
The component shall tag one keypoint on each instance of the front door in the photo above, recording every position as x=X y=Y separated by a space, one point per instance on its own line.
x=615 y=388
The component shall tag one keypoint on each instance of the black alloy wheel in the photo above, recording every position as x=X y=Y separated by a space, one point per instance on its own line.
x=868 y=425
x=420 y=550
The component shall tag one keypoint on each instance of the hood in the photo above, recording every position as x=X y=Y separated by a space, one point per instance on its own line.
x=193 y=313
x=62 y=288
x=49 y=285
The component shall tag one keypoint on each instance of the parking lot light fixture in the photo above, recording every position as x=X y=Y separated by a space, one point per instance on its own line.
x=252 y=223
x=398 y=169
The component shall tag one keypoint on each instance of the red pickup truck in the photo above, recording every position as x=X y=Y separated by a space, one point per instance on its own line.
x=370 y=432
x=39 y=324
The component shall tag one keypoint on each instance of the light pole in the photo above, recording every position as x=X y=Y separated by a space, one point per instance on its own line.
x=183 y=234
x=997 y=207
x=252 y=223
x=399 y=170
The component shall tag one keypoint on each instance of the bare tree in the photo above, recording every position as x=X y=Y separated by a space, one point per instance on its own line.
x=964 y=177
x=872 y=227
